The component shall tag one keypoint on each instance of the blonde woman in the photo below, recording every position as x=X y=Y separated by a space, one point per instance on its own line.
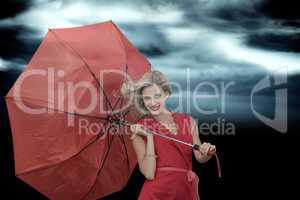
x=166 y=165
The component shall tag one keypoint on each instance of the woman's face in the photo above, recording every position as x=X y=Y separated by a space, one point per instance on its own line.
x=154 y=99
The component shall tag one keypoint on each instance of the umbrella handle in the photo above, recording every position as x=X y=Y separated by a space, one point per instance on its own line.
x=196 y=147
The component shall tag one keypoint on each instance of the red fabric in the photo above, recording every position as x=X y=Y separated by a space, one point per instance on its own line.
x=174 y=178
x=55 y=158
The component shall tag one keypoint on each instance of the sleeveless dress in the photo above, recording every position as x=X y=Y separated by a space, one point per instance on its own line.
x=174 y=178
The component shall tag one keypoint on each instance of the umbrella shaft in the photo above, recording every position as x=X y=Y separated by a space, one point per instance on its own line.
x=164 y=136
x=173 y=139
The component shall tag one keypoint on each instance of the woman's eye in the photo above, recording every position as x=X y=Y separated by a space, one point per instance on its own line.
x=157 y=95
x=146 y=98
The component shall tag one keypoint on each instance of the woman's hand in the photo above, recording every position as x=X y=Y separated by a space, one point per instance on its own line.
x=138 y=129
x=207 y=149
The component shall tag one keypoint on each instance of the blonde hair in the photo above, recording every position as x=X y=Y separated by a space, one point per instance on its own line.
x=150 y=78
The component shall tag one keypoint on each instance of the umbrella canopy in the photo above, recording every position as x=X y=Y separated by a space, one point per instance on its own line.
x=62 y=109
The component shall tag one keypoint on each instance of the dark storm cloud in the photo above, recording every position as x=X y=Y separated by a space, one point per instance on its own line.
x=265 y=24
x=276 y=42
x=246 y=14
x=15 y=51
x=14 y=46
x=147 y=38
x=13 y=7
x=222 y=15
x=228 y=36
x=288 y=9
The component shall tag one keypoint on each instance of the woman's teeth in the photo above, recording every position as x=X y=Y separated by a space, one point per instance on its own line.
x=155 y=108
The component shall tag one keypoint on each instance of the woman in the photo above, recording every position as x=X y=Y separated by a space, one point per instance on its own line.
x=166 y=165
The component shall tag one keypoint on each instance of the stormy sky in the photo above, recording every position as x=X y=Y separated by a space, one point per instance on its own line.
x=205 y=35
x=217 y=40
x=220 y=41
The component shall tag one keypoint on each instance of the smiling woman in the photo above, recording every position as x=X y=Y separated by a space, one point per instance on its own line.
x=166 y=165
x=149 y=99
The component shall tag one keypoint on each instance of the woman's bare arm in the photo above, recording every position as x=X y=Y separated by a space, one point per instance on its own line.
x=145 y=154
x=201 y=155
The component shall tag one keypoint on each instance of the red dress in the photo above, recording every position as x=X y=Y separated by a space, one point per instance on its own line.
x=174 y=178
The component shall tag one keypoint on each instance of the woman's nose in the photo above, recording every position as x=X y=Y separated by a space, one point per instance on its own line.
x=153 y=101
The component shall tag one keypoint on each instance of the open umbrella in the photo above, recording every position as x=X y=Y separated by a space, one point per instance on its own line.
x=60 y=132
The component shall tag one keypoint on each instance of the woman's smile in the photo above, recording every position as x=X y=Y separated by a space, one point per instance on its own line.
x=155 y=107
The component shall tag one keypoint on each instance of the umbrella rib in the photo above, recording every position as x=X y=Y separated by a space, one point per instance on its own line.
x=111 y=120
x=92 y=141
x=123 y=116
x=122 y=137
x=90 y=116
x=99 y=171
x=88 y=67
x=63 y=43
x=62 y=111
x=109 y=146
x=99 y=85
x=126 y=152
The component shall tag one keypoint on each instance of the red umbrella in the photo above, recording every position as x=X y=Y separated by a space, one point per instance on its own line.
x=61 y=143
